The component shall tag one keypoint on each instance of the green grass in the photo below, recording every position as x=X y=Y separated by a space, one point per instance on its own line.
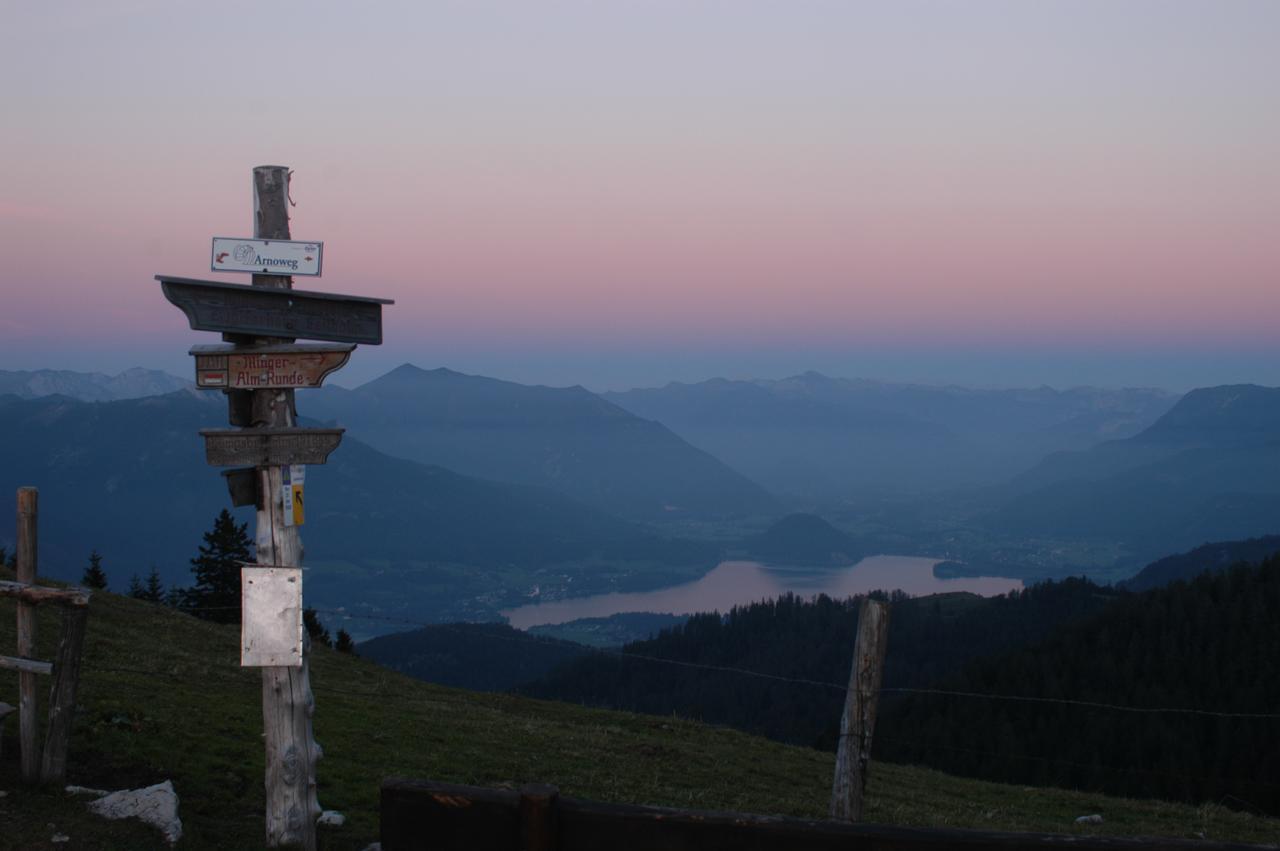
x=163 y=697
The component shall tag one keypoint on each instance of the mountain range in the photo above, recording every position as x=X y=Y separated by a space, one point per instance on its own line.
x=129 y=479
x=566 y=439
x=1208 y=470
x=819 y=438
x=89 y=386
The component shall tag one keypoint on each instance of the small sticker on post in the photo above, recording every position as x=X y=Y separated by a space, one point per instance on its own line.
x=292 y=478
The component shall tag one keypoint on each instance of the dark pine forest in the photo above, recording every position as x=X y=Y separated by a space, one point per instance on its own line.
x=1204 y=644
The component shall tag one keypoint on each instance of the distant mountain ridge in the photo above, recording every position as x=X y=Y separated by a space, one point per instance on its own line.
x=1217 y=557
x=1208 y=470
x=564 y=438
x=129 y=478
x=814 y=436
x=90 y=386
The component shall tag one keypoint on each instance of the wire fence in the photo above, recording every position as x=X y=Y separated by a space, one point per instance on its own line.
x=401 y=696
x=527 y=638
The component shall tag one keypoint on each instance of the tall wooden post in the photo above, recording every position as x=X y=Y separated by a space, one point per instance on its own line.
x=853 y=756
x=28 y=508
x=287 y=701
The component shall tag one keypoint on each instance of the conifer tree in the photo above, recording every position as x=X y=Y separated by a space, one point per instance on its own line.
x=94 y=575
x=216 y=594
x=345 y=644
x=319 y=634
x=154 y=590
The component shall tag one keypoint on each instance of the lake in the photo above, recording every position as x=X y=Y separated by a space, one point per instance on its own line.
x=735 y=583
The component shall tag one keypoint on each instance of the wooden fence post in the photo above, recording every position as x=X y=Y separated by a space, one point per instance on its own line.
x=28 y=509
x=62 y=694
x=853 y=754
x=287 y=701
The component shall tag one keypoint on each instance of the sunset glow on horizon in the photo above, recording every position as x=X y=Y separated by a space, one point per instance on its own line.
x=650 y=183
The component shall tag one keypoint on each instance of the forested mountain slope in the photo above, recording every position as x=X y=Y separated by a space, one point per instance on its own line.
x=1211 y=645
x=812 y=640
x=1215 y=556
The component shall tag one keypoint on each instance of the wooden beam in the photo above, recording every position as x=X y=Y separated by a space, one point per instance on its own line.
x=853 y=755
x=421 y=815
x=37 y=594
x=28 y=510
x=62 y=695
x=29 y=666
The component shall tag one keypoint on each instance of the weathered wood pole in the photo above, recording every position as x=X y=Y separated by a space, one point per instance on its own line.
x=62 y=694
x=28 y=511
x=853 y=756
x=287 y=701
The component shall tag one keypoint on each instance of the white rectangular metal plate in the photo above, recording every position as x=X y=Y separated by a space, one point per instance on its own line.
x=271 y=609
x=266 y=256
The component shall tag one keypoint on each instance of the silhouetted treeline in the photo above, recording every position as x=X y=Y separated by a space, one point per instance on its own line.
x=1212 y=643
x=791 y=637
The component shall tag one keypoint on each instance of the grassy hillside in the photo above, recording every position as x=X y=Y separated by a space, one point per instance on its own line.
x=162 y=697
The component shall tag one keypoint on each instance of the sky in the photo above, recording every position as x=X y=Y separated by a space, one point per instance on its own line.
x=622 y=193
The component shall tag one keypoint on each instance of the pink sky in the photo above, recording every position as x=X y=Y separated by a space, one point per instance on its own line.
x=654 y=180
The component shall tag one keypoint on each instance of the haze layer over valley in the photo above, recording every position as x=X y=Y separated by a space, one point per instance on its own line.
x=457 y=496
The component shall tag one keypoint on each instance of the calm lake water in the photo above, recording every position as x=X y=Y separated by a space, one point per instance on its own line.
x=734 y=583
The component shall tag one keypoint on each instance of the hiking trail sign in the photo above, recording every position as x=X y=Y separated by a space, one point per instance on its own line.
x=259 y=366
x=269 y=447
x=282 y=313
x=230 y=367
x=266 y=256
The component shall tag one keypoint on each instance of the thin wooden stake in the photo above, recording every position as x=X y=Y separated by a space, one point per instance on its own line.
x=853 y=756
x=287 y=701
x=28 y=510
x=62 y=694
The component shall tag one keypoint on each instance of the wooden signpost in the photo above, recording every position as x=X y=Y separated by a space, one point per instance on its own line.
x=230 y=367
x=264 y=310
x=269 y=447
x=258 y=366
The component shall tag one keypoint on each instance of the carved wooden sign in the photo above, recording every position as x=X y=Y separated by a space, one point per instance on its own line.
x=230 y=367
x=269 y=447
x=268 y=312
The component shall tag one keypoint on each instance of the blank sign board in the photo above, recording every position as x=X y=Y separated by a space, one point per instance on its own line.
x=271 y=610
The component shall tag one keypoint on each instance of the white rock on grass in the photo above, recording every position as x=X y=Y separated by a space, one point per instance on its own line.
x=1096 y=818
x=155 y=805
x=85 y=790
x=331 y=818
